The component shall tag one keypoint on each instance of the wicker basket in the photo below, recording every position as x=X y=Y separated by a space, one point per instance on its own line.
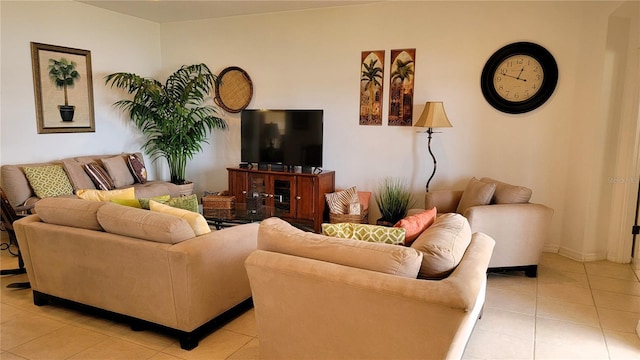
x=218 y=202
x=346 y=218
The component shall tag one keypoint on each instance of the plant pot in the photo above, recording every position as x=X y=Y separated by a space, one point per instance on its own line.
x=383 y=222
x=186 y=189
x=66 y=112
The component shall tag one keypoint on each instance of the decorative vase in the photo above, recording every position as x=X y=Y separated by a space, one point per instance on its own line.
x=66 y=112
x=186 y=189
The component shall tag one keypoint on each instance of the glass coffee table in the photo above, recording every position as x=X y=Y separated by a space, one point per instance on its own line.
x=241 y=214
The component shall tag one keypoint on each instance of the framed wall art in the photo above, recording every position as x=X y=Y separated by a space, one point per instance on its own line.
x=63 y=89
x=371 y=89
x=401 y=83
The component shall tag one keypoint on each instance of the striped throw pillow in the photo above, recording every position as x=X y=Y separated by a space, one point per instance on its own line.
x=339 y=201
x=99 y=176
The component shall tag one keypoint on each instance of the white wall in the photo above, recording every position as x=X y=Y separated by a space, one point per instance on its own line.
x=311 y=59
x=116 y=42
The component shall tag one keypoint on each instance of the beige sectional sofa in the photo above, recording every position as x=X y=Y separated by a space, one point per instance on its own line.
x=149 y=267
x=19 y=192
x=318 y=297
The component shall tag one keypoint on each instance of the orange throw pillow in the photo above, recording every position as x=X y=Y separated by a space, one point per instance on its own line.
x=414 y=225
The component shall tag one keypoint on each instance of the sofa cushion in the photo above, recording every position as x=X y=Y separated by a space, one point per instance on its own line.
x=443 y=245
x=507 y=193
x=156 y=188
x=279 y=236
x=99 y=176
x=476 y=193
x=106 y=195
x=118 y=171
x=195 y=220
x=137 y=168
x=77 y=175
x=339 y=201
x=365 y=232
x=69 y=212
x=143 y=224
x=415 y=224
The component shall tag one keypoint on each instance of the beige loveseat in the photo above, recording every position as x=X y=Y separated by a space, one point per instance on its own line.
x=19 y=192
x=149 y=267
x=318 y=297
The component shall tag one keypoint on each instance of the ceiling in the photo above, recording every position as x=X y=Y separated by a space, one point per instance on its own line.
x=161 y=11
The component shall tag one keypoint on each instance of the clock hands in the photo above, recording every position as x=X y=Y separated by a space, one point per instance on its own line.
x=516 y=77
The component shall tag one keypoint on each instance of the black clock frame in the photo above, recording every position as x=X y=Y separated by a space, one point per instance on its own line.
x=548 y=86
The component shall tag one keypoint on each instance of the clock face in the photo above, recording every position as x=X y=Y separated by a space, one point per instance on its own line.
x=519 y=77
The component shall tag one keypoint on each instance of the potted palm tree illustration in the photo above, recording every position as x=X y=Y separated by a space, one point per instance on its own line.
x=402 y=74
x=372 y=76
x=63 y=73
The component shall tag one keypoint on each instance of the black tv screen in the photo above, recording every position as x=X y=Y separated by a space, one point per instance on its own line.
x=288 y=137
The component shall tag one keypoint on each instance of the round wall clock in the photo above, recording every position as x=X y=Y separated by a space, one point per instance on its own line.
x=519 y=77
x=234 y=89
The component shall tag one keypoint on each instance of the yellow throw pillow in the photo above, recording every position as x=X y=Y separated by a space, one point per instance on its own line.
x=195 y=220
x=106 y=195
x=127 y=202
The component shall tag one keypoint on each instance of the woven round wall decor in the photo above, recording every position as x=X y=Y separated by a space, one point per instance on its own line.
x=234 y=89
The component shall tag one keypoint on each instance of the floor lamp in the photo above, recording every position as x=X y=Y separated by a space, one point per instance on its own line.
x=432 y=117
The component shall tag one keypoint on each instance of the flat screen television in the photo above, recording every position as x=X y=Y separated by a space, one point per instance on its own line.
x=287 y=137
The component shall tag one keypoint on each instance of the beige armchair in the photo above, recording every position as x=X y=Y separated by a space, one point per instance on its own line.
x=502 y=211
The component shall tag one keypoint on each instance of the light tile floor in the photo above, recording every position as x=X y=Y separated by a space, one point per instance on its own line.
x=572 y=310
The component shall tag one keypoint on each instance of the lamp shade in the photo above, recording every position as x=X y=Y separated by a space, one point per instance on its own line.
x=433 y=116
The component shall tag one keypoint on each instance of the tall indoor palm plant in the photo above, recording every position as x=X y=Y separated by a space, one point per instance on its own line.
x=173 y=115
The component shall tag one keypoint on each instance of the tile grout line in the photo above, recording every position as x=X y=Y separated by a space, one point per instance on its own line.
x=593 y=298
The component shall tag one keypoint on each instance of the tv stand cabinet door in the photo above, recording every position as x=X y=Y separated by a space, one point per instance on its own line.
x=305 y=199
x=238 y=184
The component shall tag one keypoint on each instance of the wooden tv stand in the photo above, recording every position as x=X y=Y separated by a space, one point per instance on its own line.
x=298 y=196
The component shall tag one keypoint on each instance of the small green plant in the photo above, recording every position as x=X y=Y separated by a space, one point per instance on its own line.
x=393 y=199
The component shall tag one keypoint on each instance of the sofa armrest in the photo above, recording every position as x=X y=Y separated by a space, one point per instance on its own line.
x=306 y=306
x=208 y=273
x=446 y=201
x=520 y=231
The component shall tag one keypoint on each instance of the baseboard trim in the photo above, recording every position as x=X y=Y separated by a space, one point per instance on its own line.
x=579 y=256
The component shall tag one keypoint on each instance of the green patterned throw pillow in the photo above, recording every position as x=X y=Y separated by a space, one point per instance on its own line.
x=184 y=202
x=340 y=230
x=48 y=180
x=365 y=232
x=144 y=202
x=376 y=233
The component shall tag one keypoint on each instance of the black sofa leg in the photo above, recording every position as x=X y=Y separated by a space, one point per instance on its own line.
x=40 y=299
x=188 y=342
x=531 y=271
